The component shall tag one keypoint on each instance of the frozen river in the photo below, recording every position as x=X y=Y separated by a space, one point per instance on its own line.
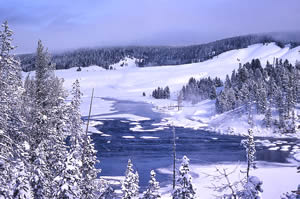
x=153 y=149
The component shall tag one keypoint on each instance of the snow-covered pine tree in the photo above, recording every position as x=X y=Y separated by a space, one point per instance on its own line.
x=153 y=188
x=261 y=97
x=130 y=186
x=48 y=127
x=14 y=175
x=268 y=116
x=75 y=123
x=81 y=147
x=42 y=101
x=89 y=171
x=281 y=110
x=68 y=182
x=249 y=144
x=105 y=191
x=184 y=188
x=22 y=188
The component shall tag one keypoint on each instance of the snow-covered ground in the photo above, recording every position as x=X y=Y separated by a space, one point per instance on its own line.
x=277 y=178
x=129 y=82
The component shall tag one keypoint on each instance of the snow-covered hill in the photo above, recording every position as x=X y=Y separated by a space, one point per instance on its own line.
x=128 y=82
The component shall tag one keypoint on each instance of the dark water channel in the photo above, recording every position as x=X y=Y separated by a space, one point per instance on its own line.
x=156 y=151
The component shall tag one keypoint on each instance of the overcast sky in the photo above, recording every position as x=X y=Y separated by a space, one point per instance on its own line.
x=68 y=24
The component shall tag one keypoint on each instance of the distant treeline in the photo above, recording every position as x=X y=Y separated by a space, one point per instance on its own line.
x=150 y=55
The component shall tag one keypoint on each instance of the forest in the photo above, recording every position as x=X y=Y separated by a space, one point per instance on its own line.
x=151 y=55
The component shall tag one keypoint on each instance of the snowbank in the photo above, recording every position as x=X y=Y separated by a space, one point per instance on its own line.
x=277 y=178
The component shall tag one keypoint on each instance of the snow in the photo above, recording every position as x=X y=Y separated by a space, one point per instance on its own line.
x=272 y=175
x=139 y=128
x=128 y=116
x=285 y=148
x=274 y=148
x=297 y=157
x=149 y=137
x=128 y=137
x=129 y=82
x=105 y=135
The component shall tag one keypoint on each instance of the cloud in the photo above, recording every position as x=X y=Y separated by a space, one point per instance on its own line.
x=71 y=24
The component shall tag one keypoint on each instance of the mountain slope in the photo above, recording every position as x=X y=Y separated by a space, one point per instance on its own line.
x=128 y=82
x=154 y=55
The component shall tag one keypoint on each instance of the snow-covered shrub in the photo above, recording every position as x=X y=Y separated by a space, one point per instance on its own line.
x=252 y=189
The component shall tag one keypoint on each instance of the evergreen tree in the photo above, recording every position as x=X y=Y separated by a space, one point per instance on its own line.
x=249 y=144
x=130 y=186
x=184 y=188
x=14 y=175
x=48 y=127
x=89 y=171
x=105 y=191
x=68 y=182
x=82 y=152
x=152 y=190
x=268 y=116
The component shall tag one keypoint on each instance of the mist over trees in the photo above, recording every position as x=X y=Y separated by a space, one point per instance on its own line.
x=161 y=93
x=198 y=90
x=150 y=55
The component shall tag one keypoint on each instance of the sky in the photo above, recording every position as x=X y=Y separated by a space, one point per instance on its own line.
x=70 y=24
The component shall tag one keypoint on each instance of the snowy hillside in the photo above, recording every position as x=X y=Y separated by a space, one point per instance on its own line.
x=129 y=82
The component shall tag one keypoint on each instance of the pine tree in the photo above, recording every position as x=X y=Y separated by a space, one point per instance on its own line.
x=82 y=151
x=184 y=188
x=152 y=190
x=75 y=123
x=227 y=83
x=48 y=127
x=261 y=98
x=68 y=182
x=281 y=110
x=89 y=171
x=105 y=191
x=42 y=101
x=14 y=175
x=249 y=144
x=268 y=116
x=130 y=186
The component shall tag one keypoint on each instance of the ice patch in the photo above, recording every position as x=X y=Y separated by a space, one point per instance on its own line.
x=139 y=128
x=149 y=137
x=95 y=123
x=98 y=132
x=285 y=148
x=297 y=157
x=134 y=118
x=128 y=137
x=274 y=148
x=105 y=135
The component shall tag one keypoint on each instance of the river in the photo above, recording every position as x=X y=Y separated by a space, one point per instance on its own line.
x=153 y=150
